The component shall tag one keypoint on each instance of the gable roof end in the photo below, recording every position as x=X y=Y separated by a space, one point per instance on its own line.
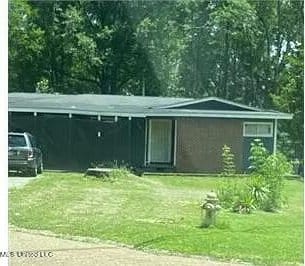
x=208 y=99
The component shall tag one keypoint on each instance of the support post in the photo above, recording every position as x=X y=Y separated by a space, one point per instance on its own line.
x=145 y=140
x=129 y=141
x=275 y=136
x=35 y=125
x=70 y=152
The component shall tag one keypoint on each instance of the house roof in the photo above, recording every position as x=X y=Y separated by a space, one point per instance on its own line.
x=136 y=106
x=210 y=99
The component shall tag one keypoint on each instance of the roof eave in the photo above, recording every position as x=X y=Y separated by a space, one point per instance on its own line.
x=256 y=115
x=74 y=112
x=152 y=113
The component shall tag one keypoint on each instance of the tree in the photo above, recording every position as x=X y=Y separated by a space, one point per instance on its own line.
x=244 y=50
x=26 y=43
x=290 y=99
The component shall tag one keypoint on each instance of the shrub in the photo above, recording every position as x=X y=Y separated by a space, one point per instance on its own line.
x=264 y=187
x=267 y=179
x=235 y=196
x=258 y=156
x=228 y=190
x=245 y=203
x=228 y=161
x=258 y=190
x=274 y=170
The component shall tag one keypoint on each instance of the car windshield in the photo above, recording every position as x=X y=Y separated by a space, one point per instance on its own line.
x=16 y=141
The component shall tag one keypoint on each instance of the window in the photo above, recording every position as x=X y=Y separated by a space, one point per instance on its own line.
x=254 y=129
x=16 y=141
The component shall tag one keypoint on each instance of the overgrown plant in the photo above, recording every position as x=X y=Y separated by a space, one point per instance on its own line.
x=245 y=203
x=227 y=192
x=119 y=170
x=258 y=156
x=119 y=173
x=267 y=179
x=274 y=170
x=229 y=168
x=263 y=189
x=258 y=189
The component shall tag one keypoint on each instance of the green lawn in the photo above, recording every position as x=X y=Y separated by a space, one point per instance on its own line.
x=159 y=212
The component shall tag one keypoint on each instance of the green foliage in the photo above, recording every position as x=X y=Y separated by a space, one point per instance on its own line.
x=43 y=86
x=228 y=161
x=263 y=189
x=114 y=175
x=235 y=196
x=244 y=203
x=227 y=191
x=119 y=170
x=258 y=189
x=273 y=172
x=117 y=174
x=26 y=43
x=290 y=98
x=267 y=180
x=258 y=156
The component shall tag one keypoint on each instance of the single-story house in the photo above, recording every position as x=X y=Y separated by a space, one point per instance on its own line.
x=175 y=134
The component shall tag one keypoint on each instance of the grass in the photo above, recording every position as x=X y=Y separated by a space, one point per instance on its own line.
x=159 y=212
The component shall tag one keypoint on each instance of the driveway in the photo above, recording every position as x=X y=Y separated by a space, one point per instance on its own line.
x=18 y=181
x=69 y=252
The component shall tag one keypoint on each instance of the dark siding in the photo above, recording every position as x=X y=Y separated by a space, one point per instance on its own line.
x=22 y=122
x=74 y=144
x=213 y=105
x=53 y=135
x=111 y=148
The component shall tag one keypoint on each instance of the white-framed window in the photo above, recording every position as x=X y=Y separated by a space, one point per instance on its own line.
x=258 y=129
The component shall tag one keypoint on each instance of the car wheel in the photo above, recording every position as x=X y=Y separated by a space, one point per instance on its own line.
x=40 y=168
x=32 y=171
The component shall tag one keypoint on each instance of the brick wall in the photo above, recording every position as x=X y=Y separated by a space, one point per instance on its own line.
x=200 y=142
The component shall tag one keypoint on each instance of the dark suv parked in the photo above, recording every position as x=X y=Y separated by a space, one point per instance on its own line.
x=23 y=154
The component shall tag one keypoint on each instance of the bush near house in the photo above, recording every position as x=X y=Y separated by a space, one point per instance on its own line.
x=229 y=167
x=263 y=189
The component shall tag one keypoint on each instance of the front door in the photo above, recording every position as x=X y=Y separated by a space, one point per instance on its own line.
x=160 y=141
